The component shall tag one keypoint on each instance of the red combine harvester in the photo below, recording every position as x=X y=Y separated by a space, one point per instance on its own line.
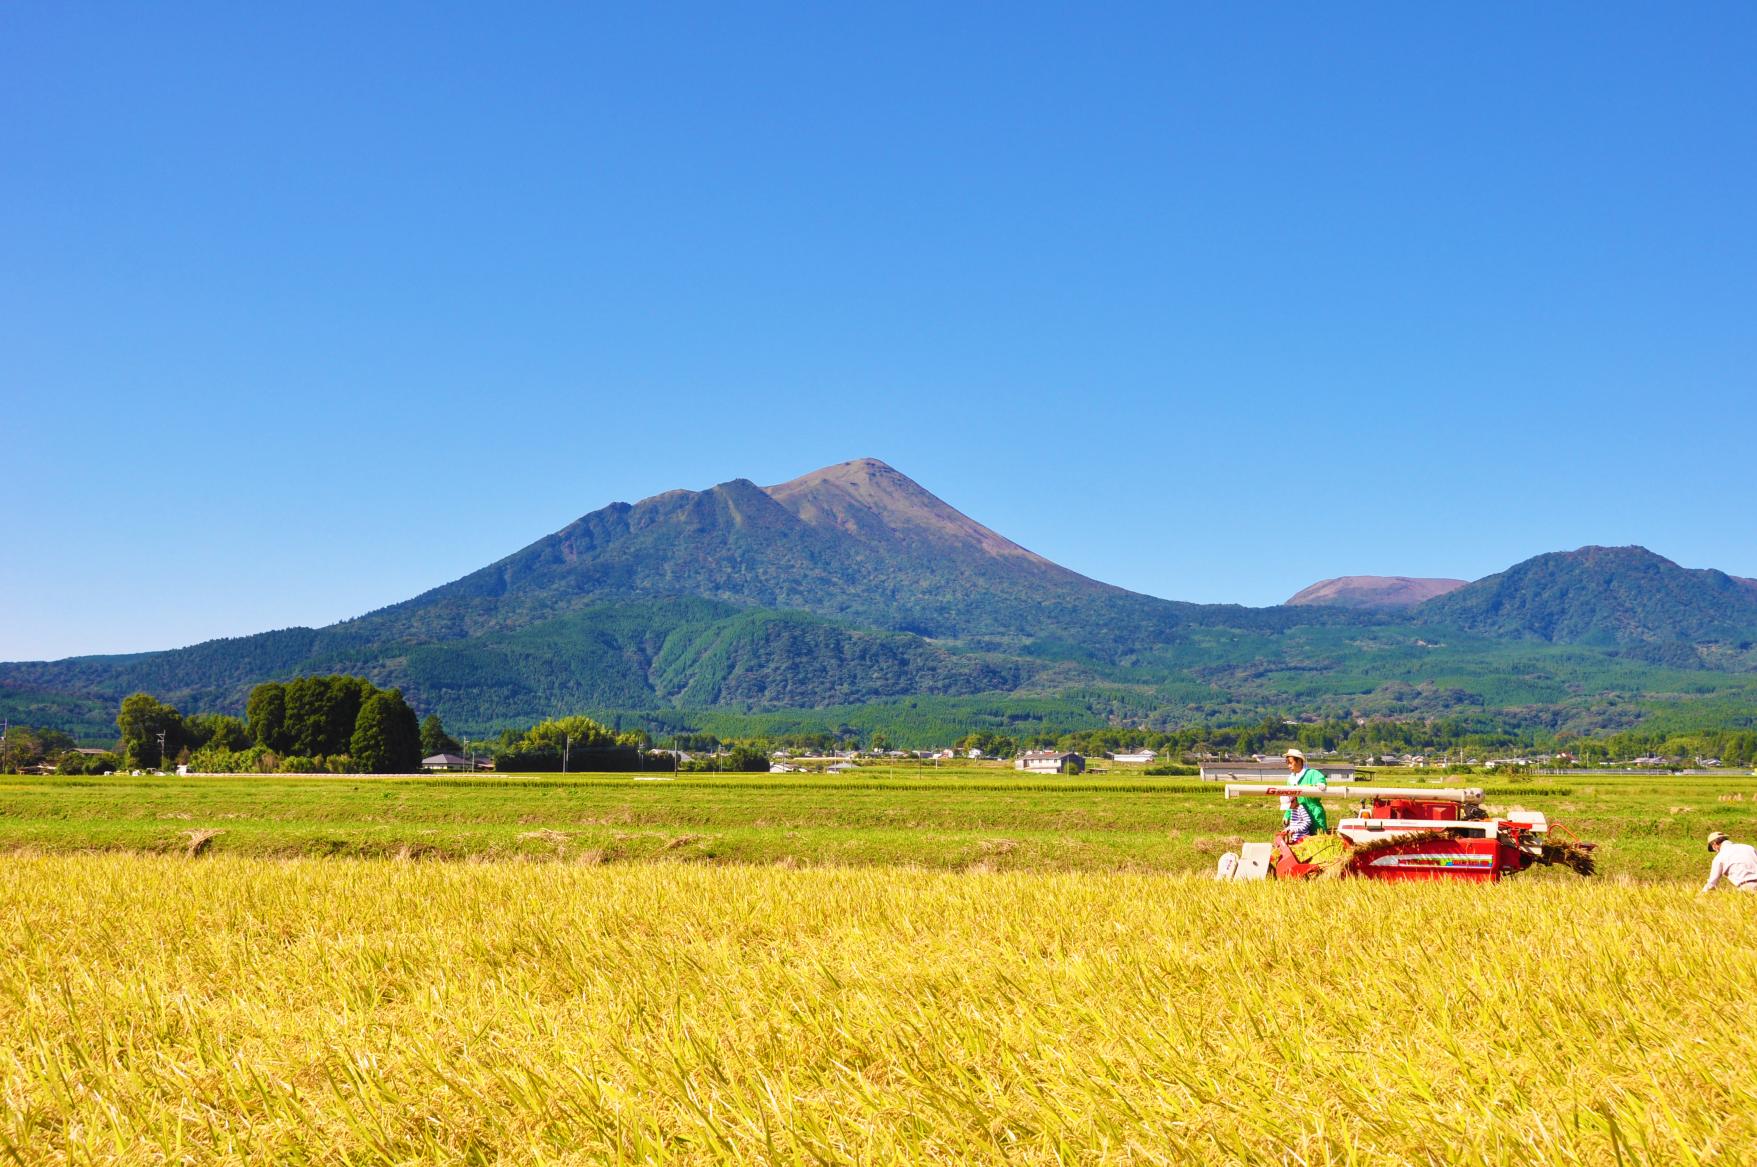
x=1406 y=833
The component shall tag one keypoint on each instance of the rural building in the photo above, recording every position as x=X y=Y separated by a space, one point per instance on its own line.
x=447 y=762
x=1132 y=755
x=1049 y=762
x=1339 y=773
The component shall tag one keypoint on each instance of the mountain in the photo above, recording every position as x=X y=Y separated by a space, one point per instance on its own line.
x=840 y=586
x=1603 y=596
x=856 y=542
x=853 y=585
x=1373 y=591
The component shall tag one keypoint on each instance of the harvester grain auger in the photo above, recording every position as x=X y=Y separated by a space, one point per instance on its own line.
x=1407 y=833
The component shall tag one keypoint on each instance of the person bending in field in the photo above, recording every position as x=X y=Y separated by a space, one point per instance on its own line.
x=1303 y=816
x=1735 y=862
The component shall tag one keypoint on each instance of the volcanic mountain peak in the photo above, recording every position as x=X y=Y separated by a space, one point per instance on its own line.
x=1374 y=591
x=868 y=498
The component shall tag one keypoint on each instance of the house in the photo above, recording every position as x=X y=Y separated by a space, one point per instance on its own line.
x=783 y=768
x=1273 y=772
x=1132 y=755
x=1049 y=762
x=447 y=762
x=842 y=767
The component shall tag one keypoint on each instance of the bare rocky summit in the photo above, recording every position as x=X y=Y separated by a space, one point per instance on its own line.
x=1374 y=591
x=868 y=498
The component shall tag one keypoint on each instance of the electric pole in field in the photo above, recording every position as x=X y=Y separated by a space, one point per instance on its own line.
x=566 y=745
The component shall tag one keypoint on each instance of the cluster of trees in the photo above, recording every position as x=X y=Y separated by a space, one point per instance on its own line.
x=1734 y=747
x=741 y=758
x=23 y=747
x=1474 y=735
x=327 y=717
x=569 y=743
x=1271 y=734
x=339 y=724
x=992 y=744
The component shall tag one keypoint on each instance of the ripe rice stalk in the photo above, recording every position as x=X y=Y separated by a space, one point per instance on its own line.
x=265 y=1010
x=1569 y=853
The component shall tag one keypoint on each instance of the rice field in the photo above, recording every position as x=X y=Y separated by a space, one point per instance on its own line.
x=245 y=1009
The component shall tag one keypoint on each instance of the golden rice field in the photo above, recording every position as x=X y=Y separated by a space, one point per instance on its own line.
x=227 y=1009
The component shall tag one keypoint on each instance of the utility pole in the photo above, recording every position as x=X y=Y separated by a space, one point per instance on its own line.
x=5 y=728
x=566 y=745
x=161 y=736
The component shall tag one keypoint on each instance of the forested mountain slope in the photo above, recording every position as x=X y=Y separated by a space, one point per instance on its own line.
x=1603 y=595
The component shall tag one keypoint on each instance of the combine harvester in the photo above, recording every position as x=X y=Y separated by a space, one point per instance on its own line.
x=1406 y=833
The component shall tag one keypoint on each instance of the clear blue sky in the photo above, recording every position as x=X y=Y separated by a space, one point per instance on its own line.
x=306 y=308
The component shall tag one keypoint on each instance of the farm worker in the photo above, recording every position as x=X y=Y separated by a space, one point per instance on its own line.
x=1736 y=861
x=1304 y=816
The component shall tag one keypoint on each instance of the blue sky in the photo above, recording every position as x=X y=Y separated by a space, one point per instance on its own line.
x=305 y=309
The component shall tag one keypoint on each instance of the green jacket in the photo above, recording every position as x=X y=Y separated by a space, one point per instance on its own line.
x=1310 y=777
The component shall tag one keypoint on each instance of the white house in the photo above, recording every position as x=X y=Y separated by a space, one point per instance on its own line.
x=1049 y=762
x=1132 y=755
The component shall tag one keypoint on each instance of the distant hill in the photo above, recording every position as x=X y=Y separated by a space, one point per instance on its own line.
x=1605 y=596
x=1373 y=591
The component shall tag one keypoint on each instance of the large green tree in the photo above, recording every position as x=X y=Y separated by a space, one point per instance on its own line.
x=266 y=711
x=434 y=739
x=146 y=722
x=219 y=729
x=321 y=712
x=386 y=738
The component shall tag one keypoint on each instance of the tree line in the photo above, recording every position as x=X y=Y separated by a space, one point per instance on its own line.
x=346 y=724
x=338 y=724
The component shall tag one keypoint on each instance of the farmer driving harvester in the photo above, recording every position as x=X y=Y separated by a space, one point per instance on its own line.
x=1304 y=816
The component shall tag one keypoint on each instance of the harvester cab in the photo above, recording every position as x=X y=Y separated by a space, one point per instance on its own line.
x=1405 y=833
